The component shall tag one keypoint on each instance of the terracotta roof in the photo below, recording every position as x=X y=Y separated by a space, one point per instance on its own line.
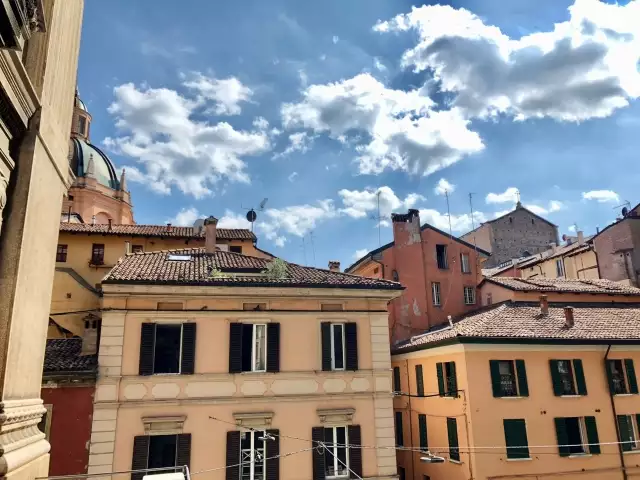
x=156 y=231
x=562 y=285
x=520 y=321
x=167 y=267
x=561 y=251
x=62 y=355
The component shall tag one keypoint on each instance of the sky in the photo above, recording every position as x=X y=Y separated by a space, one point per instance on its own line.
x=327 y=108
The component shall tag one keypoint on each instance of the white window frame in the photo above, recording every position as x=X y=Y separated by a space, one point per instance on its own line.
x=254 y=350
x=435 y=291
x=333 y=349
x=514 y=374
x=631 y=420
x=252 y=455
x=334 y=452
x=155 y=335
x=466 y=263
x=472 y=297
x=560 y=268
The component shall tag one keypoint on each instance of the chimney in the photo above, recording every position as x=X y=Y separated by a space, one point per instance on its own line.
x=580 y=237
x=210 y=225
x=90 y=336
x=406 y=227
x=127 y=248
x=544 y=305
x=334 y=266
x=93 y=219
x=568 y=317
x=110 y=224
x=554 y=247
x=168 y=227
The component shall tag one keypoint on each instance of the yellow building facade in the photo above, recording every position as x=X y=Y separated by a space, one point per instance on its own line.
x=576 y=260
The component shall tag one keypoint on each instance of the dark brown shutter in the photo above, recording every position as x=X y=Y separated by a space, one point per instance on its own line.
x=273 y=347
x=235 y=348
x=188 y=348
x=273 y=452
x=351 y=340
x=183 y=450
x=317 y=435
x=325 y=330
x=631 y=375
x=147 y=340
x=140 y=456
x=355 y=451
x=233 y=455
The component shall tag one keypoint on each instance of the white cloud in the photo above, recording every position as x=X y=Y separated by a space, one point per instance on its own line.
x=261 y=123
x=173 y=149
x=404 y=132
x=555 y=205
x=335 y=39
x=601 y=196
x=185 y=217
x=233 y=220
x=443 y=187
x=500 y=213
x=537 y=209
x=378 y=65
x=584 y=68
x=227 y=93
x=459 y=223
x=361 y=203
x=298 y=142
x=360 y=253
x=297 y=220
x=510 y=195
x=571 y=228
x=292 y=177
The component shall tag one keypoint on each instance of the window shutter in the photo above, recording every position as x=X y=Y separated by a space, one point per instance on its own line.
x=272 y=453
x=233 y=454
x=188 y=348
x=623 y=433
x=556 y=379
x=396 y=379
x=494 y=368
x=563 y=438
x=578 y=371
x=422 y=426
x=235 y=348
x=140 y=455
x=515 y=436
x=351 y=341
x=147 y=340
x=453 y=381
x=419 y=381
x=452 y=433
x=317 y=435
x=355 y=451
x=183 y=450
x=592 y=435
x=440 y=372
x=521 y=373
x=631 y=375
x=273 y=347
x=607 y=366
x=399 y=430
x=325 y=331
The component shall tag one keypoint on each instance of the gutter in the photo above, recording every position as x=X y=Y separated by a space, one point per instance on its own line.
x=615 y=417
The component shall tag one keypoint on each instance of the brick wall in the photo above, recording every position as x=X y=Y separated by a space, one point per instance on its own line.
x=618 y=251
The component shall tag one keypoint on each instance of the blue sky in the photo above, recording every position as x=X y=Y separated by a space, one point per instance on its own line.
x=321 y=107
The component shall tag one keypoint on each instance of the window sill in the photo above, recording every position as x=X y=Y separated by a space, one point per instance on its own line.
x=572 y=396
x=624 y=394
x=509 y=397
x=528 y=459
x=632 y=452
x=449 y=397
x=580 y=455
x=457 y=462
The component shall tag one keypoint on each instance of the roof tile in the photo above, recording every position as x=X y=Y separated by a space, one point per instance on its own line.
x=562 y=285
x=156 y=231
x=63 y=355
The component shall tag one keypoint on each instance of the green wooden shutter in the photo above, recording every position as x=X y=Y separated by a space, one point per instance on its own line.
x=631 y=375
x=556 y=379
x=607 y=366
x=515 y=436
x=592 y=435
x=422 y=425
x=452 y=433
x=623 y=433
x=396 y=379
x=419 y=381
x=563 y=438
x=523 y=385
x=578 y=372
x=494 y=367
x=452 y=383
x=440 y=372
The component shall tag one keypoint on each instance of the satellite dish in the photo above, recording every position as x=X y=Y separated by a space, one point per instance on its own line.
x=564 y=238
x=625 y=211
x=251 y=215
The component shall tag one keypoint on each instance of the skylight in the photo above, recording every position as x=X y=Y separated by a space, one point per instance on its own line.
x=180 y=258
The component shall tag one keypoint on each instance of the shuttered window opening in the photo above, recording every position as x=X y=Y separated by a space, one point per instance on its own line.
x=419 y=381
x=567 y=377
x=622 y=376
x=577 y=436
x=509 y=378
x=452 y=434
x=447 y=379
x=257 y=452
x=167 y=348
x=399 y=430
x=628 y=427
x=515 y=437
x=422 y=427
x=396 y=380
x=160 y=451
x=254 y=347
x=336 y=459
x=339 y=346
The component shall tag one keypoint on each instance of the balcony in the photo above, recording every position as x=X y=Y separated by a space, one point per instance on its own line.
x=18 y=19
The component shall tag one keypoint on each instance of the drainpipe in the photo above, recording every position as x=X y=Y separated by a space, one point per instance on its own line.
x=615 y=417
x=413 y=453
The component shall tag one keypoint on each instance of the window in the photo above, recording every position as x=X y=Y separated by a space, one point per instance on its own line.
x=235 y=248
x=509 y=378
x=464 y=263
x=441 y=256
x=452 y=433
x=254 y=347
x=167 y=348
x=399 y=430
x=622 y=376
x=435 y=290
x=422 y=427
x=577 y=436
x=395 y=276
x=396 y=379
x=160 y=451
x=137 y=248
x=447 y=381
x=82 y=125
x=61 y=253
x=339 y=346
x=567 y=377
x=402 y=475
x=469 y=295
x=515 y=437
x=559 y=268
x=166 y=354
x=419 y=381
x=336 y=462
x=628 y=426
x=97 y=254
x=252 y=455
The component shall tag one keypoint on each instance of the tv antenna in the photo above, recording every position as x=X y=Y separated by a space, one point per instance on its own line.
x=379 y=219
x=626 y=206
x=313 y=248
x=251 y=212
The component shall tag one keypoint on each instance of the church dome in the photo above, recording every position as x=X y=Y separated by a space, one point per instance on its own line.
x=103 y=169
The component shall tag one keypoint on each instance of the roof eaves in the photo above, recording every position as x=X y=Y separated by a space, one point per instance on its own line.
x=368 y=255
x=222 y=283
x=427 y=225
